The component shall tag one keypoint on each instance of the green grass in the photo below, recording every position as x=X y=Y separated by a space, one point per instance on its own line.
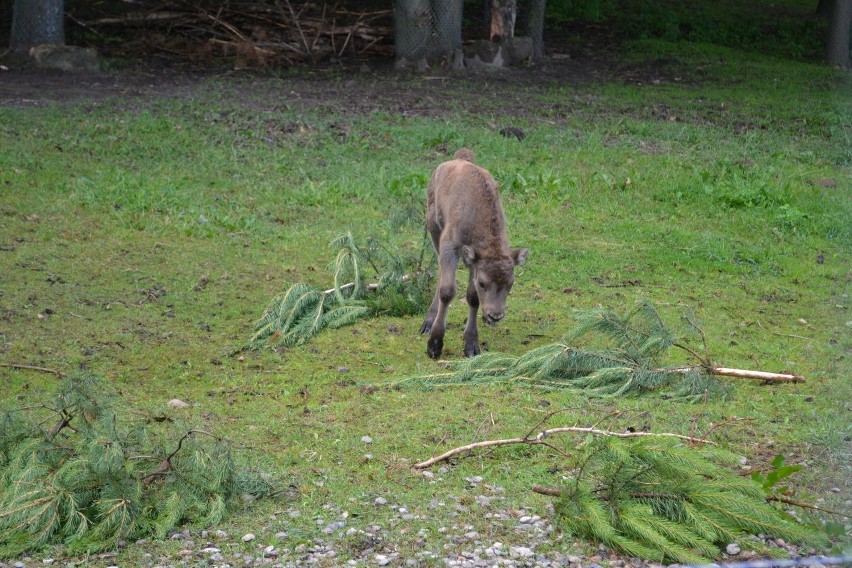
x=141 y=240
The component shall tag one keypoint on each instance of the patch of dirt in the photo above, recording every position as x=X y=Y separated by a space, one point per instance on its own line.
x=358 y=84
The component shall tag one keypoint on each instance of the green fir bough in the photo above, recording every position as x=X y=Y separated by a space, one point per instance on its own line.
x=660 y=500
x=77 y=472
x=629 y=356
x=400 y=286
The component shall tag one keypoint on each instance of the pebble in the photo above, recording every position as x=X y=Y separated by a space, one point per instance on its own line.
x=461 y=543
x=520 y=552
x=367 y=439
x=733 y=549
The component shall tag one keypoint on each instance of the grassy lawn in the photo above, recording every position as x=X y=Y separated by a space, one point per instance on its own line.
x=141 y=238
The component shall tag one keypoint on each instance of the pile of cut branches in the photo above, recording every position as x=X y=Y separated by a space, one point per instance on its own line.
x=94 y=478
x=257 y=33
x=631 y=359
x=400 y=287
x=658 y=496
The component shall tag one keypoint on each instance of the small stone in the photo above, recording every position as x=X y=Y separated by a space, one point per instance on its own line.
x=380 y=501
x=382 y=560
x=367 y=439
x=221 y=534
x=428 y=474
x=483 y=500
x=733 y=549
x=525 y=519
x=217 y=557
x=520 y=552
x=248 y=537
x=210 y=550
x=573 y=559
x=281 y=535
x=177 y=403
x=48 y=561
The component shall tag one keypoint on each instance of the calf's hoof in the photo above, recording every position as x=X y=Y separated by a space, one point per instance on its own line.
x=471 y=350
x=426 y=327
x=434 y=347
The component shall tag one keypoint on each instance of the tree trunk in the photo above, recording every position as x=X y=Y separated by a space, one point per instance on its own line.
x=823 y=9
x=838 y=33
x=448 y=25
x=535 y=27
x=412 y=28
x=36 y=22
x=503 y=15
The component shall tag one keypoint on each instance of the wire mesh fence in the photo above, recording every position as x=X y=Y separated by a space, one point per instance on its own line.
x=426 y=30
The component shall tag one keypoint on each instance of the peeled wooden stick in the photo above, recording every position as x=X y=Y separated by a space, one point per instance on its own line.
x=759 y=375
x=744 y=374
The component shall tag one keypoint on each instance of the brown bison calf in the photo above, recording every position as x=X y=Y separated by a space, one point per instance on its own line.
x=465 y=218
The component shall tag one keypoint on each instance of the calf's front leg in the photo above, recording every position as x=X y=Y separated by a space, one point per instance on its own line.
x=471 y=331
x=446 y=292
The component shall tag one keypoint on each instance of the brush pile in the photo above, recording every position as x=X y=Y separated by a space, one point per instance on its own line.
x=253 y=32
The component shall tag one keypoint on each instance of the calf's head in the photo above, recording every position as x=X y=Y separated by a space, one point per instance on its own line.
x=493 y=277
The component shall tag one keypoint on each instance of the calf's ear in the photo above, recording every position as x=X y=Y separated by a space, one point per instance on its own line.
x=468 y=255
x=520 y=256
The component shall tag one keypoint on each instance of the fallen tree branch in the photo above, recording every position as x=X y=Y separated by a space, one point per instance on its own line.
x=539 y=439
x=58 y=374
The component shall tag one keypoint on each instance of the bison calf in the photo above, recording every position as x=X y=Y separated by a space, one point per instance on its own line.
x=465 y=218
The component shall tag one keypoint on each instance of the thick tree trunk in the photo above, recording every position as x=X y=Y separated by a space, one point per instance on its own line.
x=36 y=22
x=535 y=26
x=426 y=29
x=412 y=27
x=503 y=15
x=448 y=25
x=838 y=33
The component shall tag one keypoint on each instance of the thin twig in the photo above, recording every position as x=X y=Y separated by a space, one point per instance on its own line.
x=538 y=439
x=803 y=505
x=166 y=464
x=725 y=423
x=58 y=374
x=549 y=491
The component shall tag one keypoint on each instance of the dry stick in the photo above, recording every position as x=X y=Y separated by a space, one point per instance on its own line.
x=549 y=491
x=543 y=434
x=804 y=505
x=743 y=374
x=759 y=375
x=58 y=374
x=308 y=51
